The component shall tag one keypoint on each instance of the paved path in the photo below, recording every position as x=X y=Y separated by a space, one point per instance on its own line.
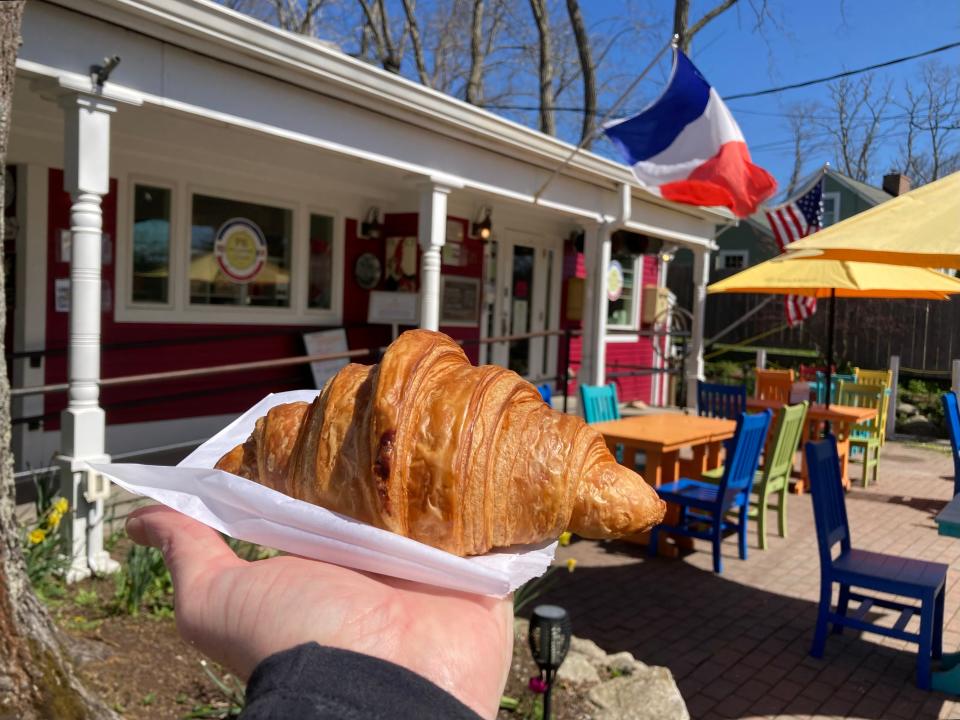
x=737 y=643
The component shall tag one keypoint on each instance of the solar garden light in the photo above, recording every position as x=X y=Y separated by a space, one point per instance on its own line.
x=549 y=638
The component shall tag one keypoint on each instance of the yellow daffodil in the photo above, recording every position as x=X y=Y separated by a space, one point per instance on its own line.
x=55 y=516
x=571 y=564
x=61 y=506
x=36 y=536
x=565 y=538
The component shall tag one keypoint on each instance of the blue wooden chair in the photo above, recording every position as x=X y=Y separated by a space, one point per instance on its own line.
x=951 y=414
x=721 y=401
x=891 y=574
x=599 y=402
x=704 y=507
x=546 y=392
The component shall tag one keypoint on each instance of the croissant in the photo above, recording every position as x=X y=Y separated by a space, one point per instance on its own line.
x=458 y=457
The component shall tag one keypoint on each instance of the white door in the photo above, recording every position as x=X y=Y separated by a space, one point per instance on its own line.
x=527 y=300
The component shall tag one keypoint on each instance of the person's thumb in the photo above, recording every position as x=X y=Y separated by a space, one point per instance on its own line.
x=190 y=549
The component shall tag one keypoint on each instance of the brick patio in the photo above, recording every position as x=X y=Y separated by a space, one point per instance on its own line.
x=737 y=643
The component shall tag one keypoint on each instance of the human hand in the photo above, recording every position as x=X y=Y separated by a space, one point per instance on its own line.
x=240 y=612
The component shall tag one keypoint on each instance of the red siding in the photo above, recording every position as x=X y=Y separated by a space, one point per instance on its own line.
x=135 y=348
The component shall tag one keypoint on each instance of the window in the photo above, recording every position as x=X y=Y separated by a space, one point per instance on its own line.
x=732 y=259
x=831 y=208
x=239 y=253
x=320 y=286
x=622 y=312
x=151 y=244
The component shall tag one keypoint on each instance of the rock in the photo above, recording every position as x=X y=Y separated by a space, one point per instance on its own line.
x=918 y=425
x=650 y=694
x=588 y=648
x=578 y=668
x=623 y=663
x=906 y=409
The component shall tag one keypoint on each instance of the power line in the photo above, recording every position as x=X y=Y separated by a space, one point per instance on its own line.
x=768 y=91
x=848 y=73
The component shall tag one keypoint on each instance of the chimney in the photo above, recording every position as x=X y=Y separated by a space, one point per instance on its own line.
x=896 y=184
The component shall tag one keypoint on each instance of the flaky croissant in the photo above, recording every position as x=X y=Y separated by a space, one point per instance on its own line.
x=459 y=457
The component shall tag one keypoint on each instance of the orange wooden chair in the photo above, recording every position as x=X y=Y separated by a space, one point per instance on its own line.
x=774 y=385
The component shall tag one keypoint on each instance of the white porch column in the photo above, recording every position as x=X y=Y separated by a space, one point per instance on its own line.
x=593 y=359
x=433 y=234
x=83 y=423
x=694 y=368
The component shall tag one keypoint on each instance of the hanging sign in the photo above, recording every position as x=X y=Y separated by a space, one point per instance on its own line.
x=240 y=249
x=614 y=280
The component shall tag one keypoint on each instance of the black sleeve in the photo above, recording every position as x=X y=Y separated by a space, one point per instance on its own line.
x=313 y=682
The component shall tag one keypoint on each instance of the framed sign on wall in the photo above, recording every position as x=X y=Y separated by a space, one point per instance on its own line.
x=459 y=301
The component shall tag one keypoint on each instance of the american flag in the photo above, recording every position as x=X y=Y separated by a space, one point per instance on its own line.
x=791 y=221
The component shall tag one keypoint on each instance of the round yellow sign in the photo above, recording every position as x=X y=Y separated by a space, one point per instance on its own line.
x=240 y=249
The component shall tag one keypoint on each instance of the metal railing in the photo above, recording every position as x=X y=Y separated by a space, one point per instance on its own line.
x=561 y=379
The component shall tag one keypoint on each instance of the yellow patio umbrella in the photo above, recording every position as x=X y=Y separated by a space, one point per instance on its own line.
x=919 y=228
x=814 y=277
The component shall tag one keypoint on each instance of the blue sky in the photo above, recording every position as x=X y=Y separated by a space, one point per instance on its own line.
x=815 y=38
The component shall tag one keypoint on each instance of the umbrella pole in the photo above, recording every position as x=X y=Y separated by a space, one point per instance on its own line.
x=830 y=325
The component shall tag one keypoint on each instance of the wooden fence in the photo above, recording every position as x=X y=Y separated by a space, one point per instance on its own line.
x=925 y=334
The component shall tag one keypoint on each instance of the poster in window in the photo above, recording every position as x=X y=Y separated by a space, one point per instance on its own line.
x=401 y=270
x=240 y=249
x=459 y=301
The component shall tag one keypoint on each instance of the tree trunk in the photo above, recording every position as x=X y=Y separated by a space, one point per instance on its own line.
x=475 y=79
x=587 y=70
x=36 y=676
x=548 y=122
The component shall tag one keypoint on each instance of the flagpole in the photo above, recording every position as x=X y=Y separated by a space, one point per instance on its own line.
x=672 y=43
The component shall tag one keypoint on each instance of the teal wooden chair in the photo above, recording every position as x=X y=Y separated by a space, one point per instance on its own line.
x=599 y=402
x=865 y=438
x=835 y=380
x=772 y=482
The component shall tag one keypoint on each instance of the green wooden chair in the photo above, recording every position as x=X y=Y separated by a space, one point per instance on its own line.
x=878 y=377
x=865 y=438
x=772 y=483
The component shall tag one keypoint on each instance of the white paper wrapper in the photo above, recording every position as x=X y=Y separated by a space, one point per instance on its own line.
x=248 y=511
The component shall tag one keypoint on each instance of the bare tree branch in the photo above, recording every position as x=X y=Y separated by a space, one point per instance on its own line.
x=414 y=32
x=548 y=122
x=587 y=69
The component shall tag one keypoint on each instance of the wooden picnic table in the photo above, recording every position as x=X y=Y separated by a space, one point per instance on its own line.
x=660 y=437
x=842 y=419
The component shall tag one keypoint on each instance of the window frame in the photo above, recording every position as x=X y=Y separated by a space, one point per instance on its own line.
x=634 y=324
x=722 y=255
x=125 y=259
x=835 y=196
x=178 y=308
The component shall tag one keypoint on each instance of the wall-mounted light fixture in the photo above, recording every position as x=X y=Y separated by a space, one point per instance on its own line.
x=371 y=227
x=668 y=253
x=577 y=236
x=99 y=74
x=483 y=226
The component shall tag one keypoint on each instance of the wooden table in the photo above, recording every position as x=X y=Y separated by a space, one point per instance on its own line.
x=660 y=437
x=842 y=419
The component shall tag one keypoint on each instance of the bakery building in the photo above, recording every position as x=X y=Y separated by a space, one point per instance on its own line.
x=225 y=188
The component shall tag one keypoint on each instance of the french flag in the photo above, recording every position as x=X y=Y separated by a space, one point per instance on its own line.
x=687 y=146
